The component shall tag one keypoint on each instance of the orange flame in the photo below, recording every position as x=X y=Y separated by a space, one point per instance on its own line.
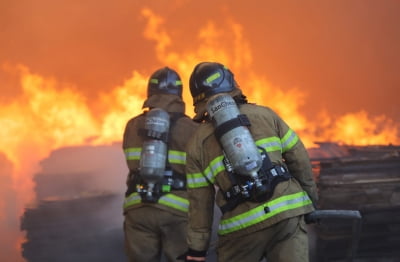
x=359 y=129
x=49 y=114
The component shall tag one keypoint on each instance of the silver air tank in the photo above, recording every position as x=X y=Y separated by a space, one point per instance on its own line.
x=237 y=143
x=154 y=151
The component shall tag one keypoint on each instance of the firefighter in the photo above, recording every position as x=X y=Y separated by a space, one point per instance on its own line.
x=259 y=168
x=156 y=204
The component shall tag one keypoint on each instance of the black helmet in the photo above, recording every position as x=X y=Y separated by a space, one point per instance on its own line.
x=164 y=81
x=210 y=78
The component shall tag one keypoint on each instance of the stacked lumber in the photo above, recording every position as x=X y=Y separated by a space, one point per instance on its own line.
x=78 y=217
x=81 y=229
x=366 y=179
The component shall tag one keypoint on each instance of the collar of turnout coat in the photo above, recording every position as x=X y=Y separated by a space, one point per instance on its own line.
x=170 y=103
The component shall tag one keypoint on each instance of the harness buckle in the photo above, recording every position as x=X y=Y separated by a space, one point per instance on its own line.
x=256 y=190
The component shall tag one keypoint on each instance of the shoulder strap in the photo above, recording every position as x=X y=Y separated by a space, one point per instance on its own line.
x=174 y=116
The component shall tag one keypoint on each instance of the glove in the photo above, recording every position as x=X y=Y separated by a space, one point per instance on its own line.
x=308 y=218
x=193 y=255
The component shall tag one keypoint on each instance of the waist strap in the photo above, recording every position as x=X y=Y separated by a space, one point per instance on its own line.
x=170 y=200
x=258 y=190
x=171 y=181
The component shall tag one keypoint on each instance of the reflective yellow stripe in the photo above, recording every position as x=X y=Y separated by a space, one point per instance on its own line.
x=132 y=199
x=174 y=201
x=270 y=144
x=169 y=200
x=132 y=153
x=216 y=166
x=196 y=180
x=289 y=140
x=213 y=77
x=174 y=156
x=263 y=212
x=177 y=157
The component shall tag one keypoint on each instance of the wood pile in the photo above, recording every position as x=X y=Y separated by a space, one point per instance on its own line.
x=82 y=229
x=365 y=179
x=80 y=192
x=80 y=221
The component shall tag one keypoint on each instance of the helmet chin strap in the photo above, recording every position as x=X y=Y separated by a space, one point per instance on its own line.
x=240 y=99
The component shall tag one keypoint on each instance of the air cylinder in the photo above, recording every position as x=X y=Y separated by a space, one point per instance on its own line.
x=154 y=150
x=237 y=143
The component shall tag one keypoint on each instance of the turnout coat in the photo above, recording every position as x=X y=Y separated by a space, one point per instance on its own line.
x=207 y=177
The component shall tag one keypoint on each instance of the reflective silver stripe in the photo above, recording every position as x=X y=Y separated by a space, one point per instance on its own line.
x=263 y=212
x=132 y=153
x=270 y=144
x=289 y=140
x=196 y=180
x=213 y=169
x=132 y=199
x=170 y=200
x=176 y=157
x=174 y=201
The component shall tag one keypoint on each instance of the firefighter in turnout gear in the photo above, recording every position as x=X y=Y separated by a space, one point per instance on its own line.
x=156 y=204
x=260 y=169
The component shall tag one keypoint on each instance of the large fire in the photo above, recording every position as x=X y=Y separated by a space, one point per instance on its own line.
x=49 y=114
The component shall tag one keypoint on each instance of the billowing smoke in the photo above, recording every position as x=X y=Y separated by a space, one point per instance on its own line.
x=79 y=197
x=9 y=222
